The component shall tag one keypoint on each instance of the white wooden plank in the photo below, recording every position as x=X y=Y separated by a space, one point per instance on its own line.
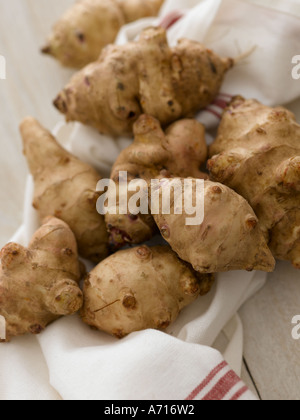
x=272 y=355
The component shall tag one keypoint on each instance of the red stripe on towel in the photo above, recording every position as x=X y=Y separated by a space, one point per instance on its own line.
x=221 y=103
x=239 y=394
x=170 y=20
x=215 y=113
x=222 y=388
x=206 y=381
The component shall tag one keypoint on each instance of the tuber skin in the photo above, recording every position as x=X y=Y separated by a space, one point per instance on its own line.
x=65 y=188
x=39 y=284
x=144 y=77
x=137 y=9
x=228 y=239
x=140 y=288
x=179 y=151
x=257 y=153
x=87 y=27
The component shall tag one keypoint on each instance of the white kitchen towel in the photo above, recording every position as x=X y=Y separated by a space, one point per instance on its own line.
x=69 y=361
x=146 y=365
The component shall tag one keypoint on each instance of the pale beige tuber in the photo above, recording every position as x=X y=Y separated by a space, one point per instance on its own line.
x=140 y=288
x=229 y=238
x=257 y=153
x=143 y=77
x=39 y=284
x=87 y=27
x=65 y=188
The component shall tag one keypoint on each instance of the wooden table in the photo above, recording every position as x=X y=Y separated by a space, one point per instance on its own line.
x=272 y=362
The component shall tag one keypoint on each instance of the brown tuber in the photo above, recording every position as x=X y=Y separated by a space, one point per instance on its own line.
x=180 y=151
x=229 y=238
x=89 y=25
x=257 y=153
x=144 y=77
x=39 y=284
x=65 y=188
x=140 y=288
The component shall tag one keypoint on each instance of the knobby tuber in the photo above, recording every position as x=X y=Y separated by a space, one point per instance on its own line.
x=144 y=77
x=228 y=239
x=65 y=188
x=87 y=27
x=140 y=288
x=257 y=153
x=180 y=151
x=39 y=284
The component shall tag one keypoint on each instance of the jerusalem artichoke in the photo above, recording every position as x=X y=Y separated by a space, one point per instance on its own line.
x=228 y=239
x=65 y=188
x=143 y=77
x=39 y=284
x=180 y=151
x=86 y=28
x=138 y=289
x=257 y=153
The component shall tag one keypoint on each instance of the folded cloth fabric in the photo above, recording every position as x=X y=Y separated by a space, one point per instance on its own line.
x=146 y=365
x=69 y=361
